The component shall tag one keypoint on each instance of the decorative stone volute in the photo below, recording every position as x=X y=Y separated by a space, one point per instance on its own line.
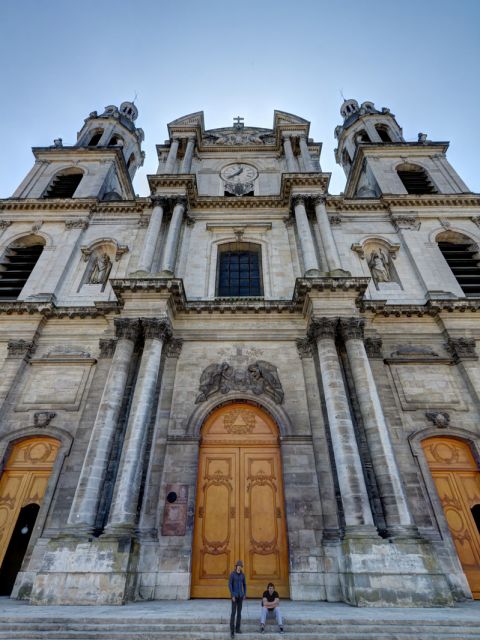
x=351 y=328
x=159 y=328
x=323 y=328
x=128 y=328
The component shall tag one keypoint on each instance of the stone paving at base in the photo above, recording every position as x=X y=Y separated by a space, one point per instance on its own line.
x=219 y=610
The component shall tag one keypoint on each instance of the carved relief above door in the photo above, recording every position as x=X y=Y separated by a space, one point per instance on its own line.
x=457 y=479
x=239 y=507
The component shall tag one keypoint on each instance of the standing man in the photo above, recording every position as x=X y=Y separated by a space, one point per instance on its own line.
x=270 y=601
x=238 y=591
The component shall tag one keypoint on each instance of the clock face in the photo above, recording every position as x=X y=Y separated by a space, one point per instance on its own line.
x=238 y=173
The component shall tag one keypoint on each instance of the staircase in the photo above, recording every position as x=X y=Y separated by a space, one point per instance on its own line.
x=186 y=621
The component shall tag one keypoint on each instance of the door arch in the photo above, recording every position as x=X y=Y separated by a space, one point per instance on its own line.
x=22 y=486
x=240 y=510
x=457 y=480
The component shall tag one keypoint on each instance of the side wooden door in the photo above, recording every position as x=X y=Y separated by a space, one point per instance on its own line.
x=240 y=511
x=457 y=480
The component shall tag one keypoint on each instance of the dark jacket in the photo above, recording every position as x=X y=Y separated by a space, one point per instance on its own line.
x=237 y=585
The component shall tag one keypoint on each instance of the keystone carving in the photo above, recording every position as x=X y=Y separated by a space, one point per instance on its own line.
x=462 y=348
x=42 y=419
x=440 y=419
x=4 y=224
x=260 y=377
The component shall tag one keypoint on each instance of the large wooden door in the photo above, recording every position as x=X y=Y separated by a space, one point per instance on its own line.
x=240 y=511
x=457 y=480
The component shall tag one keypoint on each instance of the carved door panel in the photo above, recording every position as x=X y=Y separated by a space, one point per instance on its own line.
x=263 y=530
x=24 y=481
x=216 y=540
x=457 y=481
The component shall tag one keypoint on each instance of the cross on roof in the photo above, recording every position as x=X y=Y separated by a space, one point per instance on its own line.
x=237 y=122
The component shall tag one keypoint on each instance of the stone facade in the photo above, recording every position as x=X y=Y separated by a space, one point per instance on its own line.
x=368 y=337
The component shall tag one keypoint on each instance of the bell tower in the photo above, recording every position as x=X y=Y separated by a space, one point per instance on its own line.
x=377 y=159
x=101 y=164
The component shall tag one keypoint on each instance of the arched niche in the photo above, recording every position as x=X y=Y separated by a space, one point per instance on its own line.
x=379 y=255
x=100 y=256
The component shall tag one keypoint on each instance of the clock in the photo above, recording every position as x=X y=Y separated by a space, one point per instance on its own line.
x=238 y=173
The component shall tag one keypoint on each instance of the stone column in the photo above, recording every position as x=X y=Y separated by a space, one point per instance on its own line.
x=123 y=511
x=310 y=262
x=172 y=156
x=397 y=512
x=307 y=160
x=329 y=246
x=151 y=237
x=83 y=511
x=187 y=159
x=287 y=147
x=356 y=505
x=171 y=244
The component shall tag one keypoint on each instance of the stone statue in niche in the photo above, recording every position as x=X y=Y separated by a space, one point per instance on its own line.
x=259 y=377
x=101 y=269
x=379 y=264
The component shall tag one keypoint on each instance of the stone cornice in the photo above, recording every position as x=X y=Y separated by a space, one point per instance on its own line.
x=92 y=205
x=50 y=310
x=387 y=202
x=430 y=308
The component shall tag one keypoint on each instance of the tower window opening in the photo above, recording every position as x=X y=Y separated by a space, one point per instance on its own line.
x=362 y=136
x=462 y=258
x=382 y=131
x=16 y=265
x=95 y=139
x=415 y=180
x=239 y=270
x=115 y=140
x=63 y=185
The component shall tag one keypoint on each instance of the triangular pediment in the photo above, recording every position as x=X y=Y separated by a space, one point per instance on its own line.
x=191 y=120
x=284 y=118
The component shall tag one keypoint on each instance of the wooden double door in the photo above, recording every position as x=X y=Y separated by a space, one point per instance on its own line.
x=457 y=480
x=240 y=511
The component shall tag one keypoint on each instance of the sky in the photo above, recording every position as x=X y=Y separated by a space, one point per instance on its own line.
x=63 y=59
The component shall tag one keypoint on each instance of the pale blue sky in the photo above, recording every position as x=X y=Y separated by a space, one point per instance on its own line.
x=63 y=59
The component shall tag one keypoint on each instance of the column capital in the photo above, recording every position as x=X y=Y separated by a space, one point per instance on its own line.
x=174 y=347
x=323 y=328
x=320 y=198
x=351 y=328
x=107 y=347
x=462 y=348
x=20 y=348
x=299 y=199
x=286 y=135
x=128 y=328
x=182 y=200
x=373 y=347
x=304 y=347
x=157 y=328
x=158 y=201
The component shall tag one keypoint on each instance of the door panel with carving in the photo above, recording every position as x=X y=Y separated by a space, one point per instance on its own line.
x=239 y=505
x=457 y=481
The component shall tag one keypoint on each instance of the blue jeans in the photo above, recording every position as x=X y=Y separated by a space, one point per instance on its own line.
x=236 y=609
x=278 y=615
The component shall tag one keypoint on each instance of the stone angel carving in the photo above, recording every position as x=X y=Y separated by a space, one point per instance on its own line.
x=263 y=378
x=214 y=378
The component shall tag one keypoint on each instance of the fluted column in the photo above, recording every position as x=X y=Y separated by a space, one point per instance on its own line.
x=123 y=510
x=92 y=476
x=356 y=505
x=171 y=244
x=304 y=152
x=287 y=147
x=151 y=237
x=331 y=252
x=187 y=159
x=397 y=512
x=172 y=156
x=310 y=262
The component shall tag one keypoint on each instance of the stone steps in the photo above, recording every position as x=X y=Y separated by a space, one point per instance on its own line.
x=127 y=629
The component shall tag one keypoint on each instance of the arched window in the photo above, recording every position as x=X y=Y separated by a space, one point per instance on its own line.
x=239 y=271
x=362 y=136
x=382 y=131
x=17 y=264
x=462 y=257
x=95 y=139
x=115 y=141
x=64 y=184
x=415 y=179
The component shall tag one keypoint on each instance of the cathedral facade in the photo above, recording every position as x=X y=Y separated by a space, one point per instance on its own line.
x=240 y=365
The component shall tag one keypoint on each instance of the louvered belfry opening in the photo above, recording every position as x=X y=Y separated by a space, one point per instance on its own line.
x=462 y=260
x=16 y=266
x=63 y=185
x=415 y=180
